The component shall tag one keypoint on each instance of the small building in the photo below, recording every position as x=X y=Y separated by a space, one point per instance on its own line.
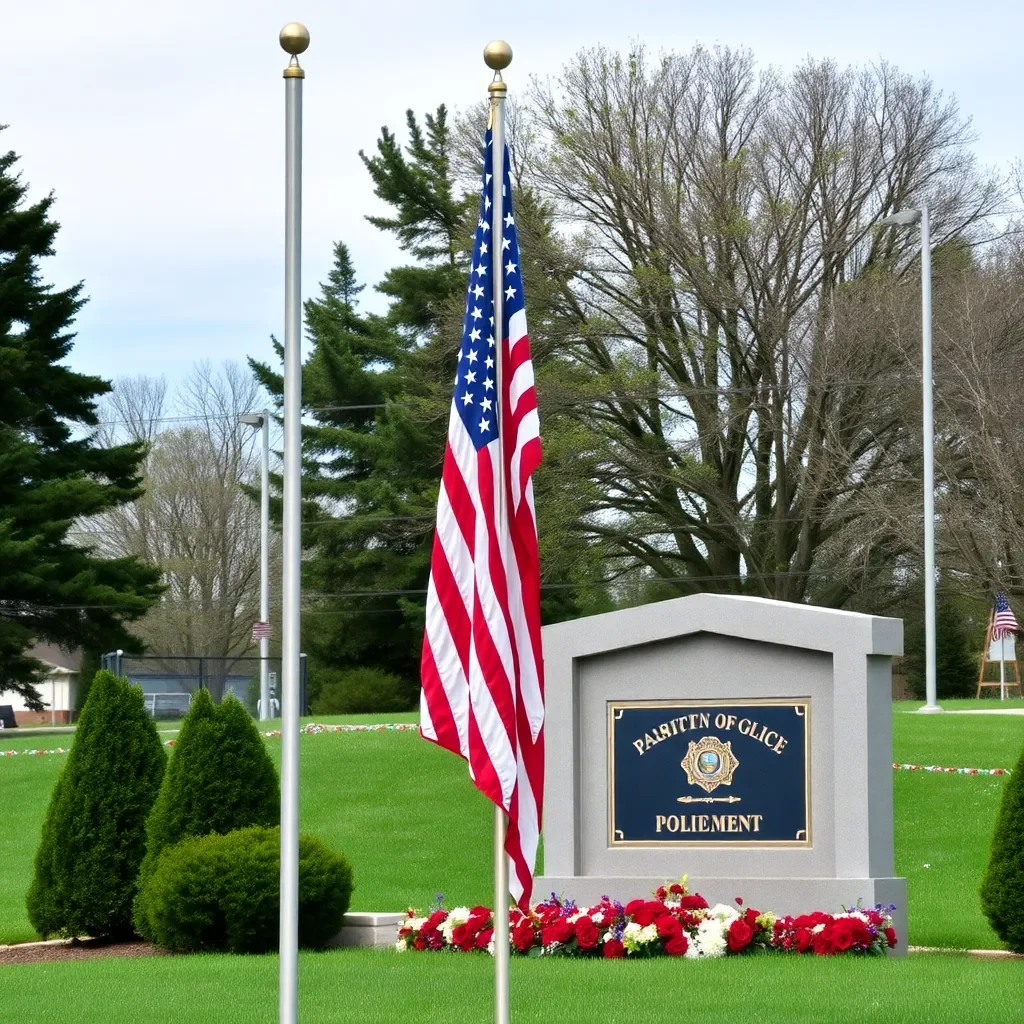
x=58 y=687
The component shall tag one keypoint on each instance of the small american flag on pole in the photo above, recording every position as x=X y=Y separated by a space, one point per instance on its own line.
x=260 y=631
x=481 y=668
x=1003 y=621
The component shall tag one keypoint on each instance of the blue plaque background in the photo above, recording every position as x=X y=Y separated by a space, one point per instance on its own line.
x=773 y=785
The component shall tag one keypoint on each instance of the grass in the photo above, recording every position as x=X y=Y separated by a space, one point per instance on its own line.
x=407 y=816
x=380 y=987
x=965 y=704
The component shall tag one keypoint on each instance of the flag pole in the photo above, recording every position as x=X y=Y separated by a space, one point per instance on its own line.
x=498 y=56
x=294 y=39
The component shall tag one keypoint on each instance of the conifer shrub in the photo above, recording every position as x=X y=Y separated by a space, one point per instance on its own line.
x=221 y=892
x=360 y=690
x=1002 y=888
x=220 y=778
x=94 y=838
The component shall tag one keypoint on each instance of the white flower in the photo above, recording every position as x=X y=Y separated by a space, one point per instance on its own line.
x=725 y=914
x=460 y=915
x=710 y=939
x=817 y=928
x=607 y=936
x=401 y=946
x=597 y=918
x=648 y=933
x=490 y=947
x=415 y=923
x=575 y=917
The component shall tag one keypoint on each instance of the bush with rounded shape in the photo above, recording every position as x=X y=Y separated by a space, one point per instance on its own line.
x=221 y=892
x=1002 y=889
x=220 y=778
x=360 y=690
x=93 y=838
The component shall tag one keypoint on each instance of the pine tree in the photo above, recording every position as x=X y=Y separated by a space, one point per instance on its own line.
x=51 y=470
x=94 y=834
x=220 y=778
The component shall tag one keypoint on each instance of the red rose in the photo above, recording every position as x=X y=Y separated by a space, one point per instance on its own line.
x=557 y=931
x=613 y=949
x=484 y=938
x=677 y=945
x=822 y=942
x=459 y=935
x=420 y=943
x=890 y=937
x=751 y=916
x=803 y=939
x=523 y=935
x=738 y=902
x=586 y=933
x=633 y=906
x=740 y=935
x=669 y=926
x=436 y=918
x=694 y=902
x=842 y=936
x=676 y=889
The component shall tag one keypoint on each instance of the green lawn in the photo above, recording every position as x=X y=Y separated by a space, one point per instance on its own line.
x=381 y=987
x=365 y=793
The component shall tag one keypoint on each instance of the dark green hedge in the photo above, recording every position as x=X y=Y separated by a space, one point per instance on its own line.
x=220 y=778
x=1002 y=889
x=220 y=892
x=93 y=837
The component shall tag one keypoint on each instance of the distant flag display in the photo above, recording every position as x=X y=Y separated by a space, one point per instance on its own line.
x=1003 y=621
x=481 y=667
x=260 y=630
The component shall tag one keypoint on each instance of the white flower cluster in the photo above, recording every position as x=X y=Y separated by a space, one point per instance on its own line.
x=634 y=937
x=710 y=939
x=460 y=915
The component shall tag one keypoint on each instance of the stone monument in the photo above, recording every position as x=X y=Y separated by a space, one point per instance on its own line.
x=743 y=742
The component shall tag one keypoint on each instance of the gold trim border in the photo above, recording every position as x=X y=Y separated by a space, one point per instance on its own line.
x=797 y=704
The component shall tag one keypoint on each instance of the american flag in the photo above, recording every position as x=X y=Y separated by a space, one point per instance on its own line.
x=1003 y=622
x=259 y=631
x=481 y=669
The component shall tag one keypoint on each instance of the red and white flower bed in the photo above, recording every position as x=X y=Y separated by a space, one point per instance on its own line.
x=674 y=923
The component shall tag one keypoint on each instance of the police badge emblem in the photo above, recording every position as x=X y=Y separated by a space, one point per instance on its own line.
x=709 y=763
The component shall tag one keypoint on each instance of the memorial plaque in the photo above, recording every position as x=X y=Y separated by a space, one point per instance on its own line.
x=709 y=773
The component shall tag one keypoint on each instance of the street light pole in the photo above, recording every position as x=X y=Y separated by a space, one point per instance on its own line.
x=905 y=218
x=262 y=420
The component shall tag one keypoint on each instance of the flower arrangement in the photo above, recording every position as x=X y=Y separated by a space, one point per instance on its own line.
x=673 y=923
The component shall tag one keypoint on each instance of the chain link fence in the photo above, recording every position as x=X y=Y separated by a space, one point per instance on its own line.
x=168 y=681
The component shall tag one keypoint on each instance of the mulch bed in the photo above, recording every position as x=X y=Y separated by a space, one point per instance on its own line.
x=73 y=949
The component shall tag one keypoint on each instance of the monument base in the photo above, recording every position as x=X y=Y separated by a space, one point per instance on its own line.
x=780 y=895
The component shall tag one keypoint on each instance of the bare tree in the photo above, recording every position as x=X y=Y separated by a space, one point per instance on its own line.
x=195 y=520
x=739 y=411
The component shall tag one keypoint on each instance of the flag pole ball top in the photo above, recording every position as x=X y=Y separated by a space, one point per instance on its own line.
x=497 y=55
x=294 y=38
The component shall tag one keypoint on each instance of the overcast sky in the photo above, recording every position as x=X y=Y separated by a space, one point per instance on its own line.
x=160 y=128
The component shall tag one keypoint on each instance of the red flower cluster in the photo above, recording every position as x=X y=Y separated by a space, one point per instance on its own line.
x=823 y=934
x=673 y=924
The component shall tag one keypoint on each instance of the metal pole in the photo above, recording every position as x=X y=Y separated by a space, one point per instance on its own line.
x=497 y=56
x=1002 y=667
x=928 y=430
x=294 y=40
x=265 y=566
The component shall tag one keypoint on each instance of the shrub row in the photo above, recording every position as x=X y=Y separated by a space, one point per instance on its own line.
x=186 y=853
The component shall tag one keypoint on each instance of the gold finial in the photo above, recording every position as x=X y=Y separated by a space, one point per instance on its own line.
x=294 y=38
x=497 y=55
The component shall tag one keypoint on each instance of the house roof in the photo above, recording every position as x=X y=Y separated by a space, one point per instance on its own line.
x=57 y=657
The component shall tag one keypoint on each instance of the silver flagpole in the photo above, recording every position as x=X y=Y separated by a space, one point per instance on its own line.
x=498 y=56
x=294 y=40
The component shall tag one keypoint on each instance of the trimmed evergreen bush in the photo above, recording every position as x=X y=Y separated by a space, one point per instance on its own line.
x=1002 y=889
x=93 y=838
x=221 y=892
x=359 y=690
x=220 y=778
